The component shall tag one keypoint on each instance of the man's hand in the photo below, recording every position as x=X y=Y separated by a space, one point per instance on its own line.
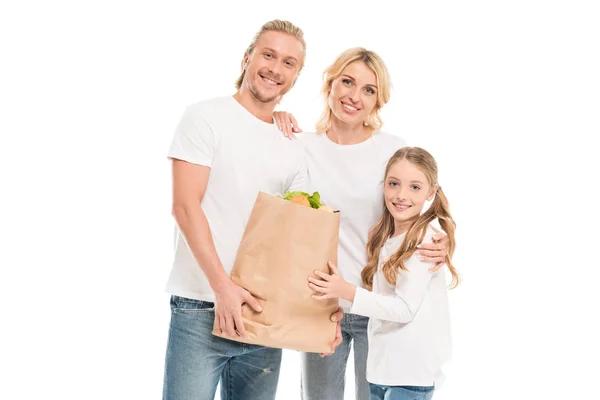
x=336 y=317
x=228 y=309
x=435 y=252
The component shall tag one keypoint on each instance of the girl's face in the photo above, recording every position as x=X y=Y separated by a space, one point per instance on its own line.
x=406 y=189
x=353 y=94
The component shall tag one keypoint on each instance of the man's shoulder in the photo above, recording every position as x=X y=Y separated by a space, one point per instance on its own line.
x=209 y=106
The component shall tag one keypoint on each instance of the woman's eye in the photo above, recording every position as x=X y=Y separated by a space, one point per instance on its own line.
x=415 y=187
x=370 y=90
x=347 y=82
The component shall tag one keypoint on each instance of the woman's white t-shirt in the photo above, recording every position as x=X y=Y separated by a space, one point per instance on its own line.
x=350 y=178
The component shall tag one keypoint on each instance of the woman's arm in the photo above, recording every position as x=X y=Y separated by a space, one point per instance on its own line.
x=286 y=123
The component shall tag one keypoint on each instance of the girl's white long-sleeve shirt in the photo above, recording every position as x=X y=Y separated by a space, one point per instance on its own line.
x=409 y=326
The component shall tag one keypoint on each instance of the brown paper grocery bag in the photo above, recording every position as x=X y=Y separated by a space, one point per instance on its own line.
x=282 y=245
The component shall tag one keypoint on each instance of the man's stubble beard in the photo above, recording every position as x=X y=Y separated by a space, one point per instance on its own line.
x=256 y=94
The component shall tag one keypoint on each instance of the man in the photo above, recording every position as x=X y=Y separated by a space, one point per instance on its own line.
x=224 y=152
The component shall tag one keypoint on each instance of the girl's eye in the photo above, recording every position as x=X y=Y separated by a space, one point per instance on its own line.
x=415 y=187
x=393 y=184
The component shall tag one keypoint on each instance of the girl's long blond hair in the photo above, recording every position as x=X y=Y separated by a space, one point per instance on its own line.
x=384 y=85
x=384 y=228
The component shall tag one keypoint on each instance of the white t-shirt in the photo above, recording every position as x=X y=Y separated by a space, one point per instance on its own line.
x=409 y=325
x=245 y=156
x=350 y=179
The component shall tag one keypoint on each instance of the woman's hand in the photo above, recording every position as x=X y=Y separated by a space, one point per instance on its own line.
x=286 y=123
x=331 y=286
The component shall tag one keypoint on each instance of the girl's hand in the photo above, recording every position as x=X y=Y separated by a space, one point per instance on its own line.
x=434 y=252
x=331 y=286
x=286 y=123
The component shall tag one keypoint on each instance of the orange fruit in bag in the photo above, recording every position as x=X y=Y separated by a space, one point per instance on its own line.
x=299 y=199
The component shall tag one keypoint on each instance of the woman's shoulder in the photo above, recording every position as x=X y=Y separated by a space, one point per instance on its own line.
x=308 y=135
x=308 y=139
x=389 y=139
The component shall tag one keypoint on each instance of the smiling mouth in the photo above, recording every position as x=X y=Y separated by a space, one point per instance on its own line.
x=269 y=81
x=401 y=207
x=349 y=107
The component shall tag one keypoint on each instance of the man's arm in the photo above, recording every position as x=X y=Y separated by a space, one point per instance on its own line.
x=189 y=186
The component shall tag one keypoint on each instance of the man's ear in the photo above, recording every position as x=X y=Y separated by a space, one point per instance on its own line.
x=245 y=61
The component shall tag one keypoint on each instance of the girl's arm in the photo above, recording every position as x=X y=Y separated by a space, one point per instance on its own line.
x=411 y=287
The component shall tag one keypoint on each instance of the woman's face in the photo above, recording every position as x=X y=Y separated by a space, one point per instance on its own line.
x=353 y=94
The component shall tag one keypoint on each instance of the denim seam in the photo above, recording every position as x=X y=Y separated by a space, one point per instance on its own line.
x=193 y=310
x=230 y=383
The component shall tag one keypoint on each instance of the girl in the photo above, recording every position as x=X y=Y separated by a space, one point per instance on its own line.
x=409 y=328
x=346 y=159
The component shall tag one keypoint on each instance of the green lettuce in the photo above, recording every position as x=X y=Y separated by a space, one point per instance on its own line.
x=314 y=199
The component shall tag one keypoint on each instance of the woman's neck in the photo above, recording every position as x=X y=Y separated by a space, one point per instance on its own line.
x=342 y=133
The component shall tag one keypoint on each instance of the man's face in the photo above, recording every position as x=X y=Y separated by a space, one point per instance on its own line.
x=273 y=66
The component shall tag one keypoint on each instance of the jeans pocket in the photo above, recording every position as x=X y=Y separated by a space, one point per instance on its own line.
x=185 y=305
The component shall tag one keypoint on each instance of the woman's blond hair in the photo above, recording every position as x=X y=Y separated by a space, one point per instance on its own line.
x=384 y=85
x=384 y=228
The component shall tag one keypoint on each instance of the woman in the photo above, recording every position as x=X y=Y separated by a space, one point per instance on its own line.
x=346 y=157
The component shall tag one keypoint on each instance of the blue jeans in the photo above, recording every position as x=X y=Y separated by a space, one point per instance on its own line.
x=324 y=378
x=196 y=360
x=379 y=392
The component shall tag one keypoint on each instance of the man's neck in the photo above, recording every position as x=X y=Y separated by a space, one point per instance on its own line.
x=261 y=110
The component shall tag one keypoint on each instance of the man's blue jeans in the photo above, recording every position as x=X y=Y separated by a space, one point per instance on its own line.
x=196 y=360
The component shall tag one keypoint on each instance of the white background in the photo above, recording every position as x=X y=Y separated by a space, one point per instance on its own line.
x=506 y=95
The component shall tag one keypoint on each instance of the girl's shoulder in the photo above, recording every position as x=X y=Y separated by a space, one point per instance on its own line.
x=430 y=232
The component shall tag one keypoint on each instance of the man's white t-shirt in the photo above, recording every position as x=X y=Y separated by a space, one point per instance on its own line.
x=245 y=156
x=350 y=178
